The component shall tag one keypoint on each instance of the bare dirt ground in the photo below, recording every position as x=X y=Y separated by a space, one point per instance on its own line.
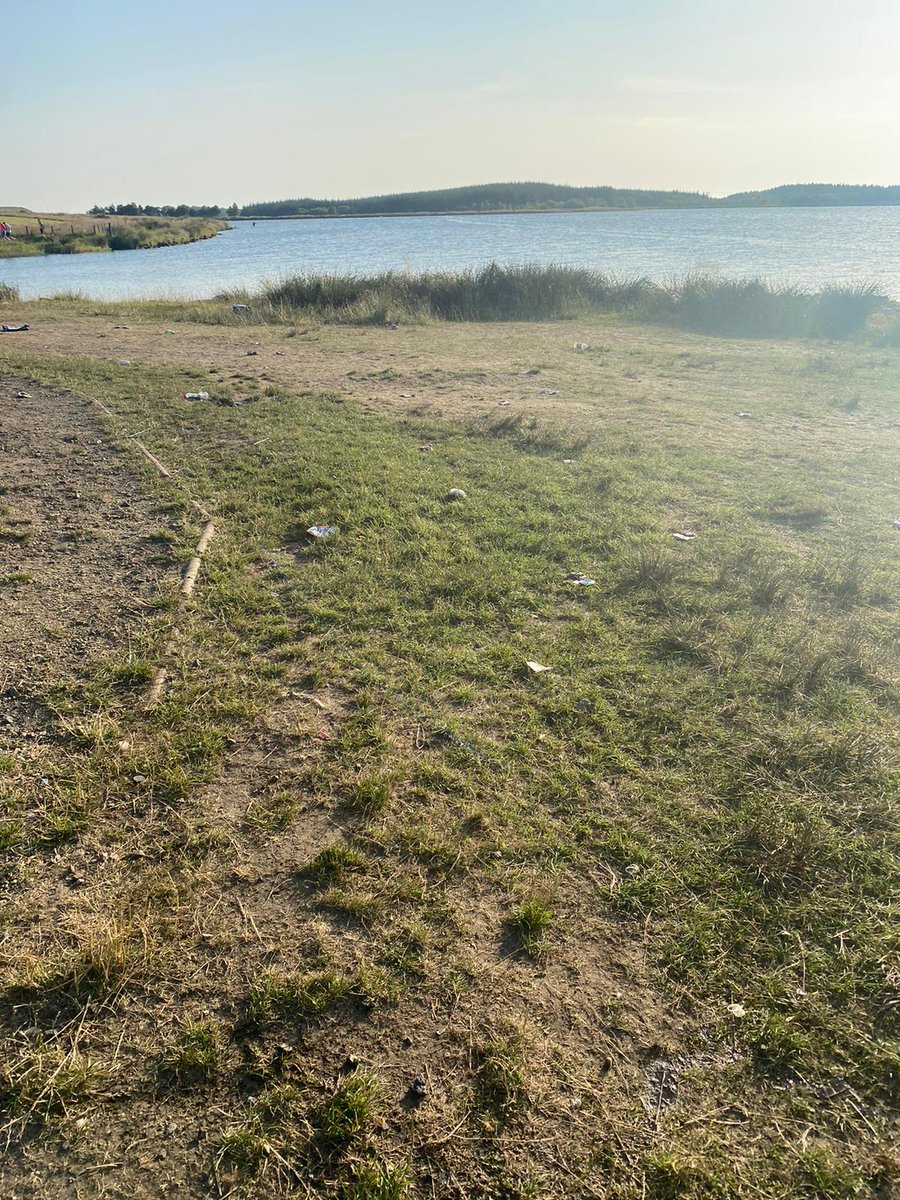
x=78 y=562
x=445 y=370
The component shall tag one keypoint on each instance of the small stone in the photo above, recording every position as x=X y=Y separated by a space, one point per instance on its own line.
x=351 y=1062
x=737 y=1010
x=418 y=1087
x=456 y=494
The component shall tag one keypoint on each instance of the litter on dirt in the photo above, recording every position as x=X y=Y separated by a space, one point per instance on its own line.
x=124 y=362
x=548 y=392
x=456 y=494
x=897 y=525
x=737 y=1010
x=14 y=328
x=121 y=326
x=391 y=325
x=536 y=667
x=686 y=535
x=503 y=403
x=196 y=395
x=531 y=371
x=426 y=449
x=742 y=415
x=580 y=578
x=252 y=353
x=407 y=395
x=239 y=308
x=22 y=396
x=319 y=532
x=582 y=346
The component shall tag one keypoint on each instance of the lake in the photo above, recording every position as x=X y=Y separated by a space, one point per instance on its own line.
x=810 y=246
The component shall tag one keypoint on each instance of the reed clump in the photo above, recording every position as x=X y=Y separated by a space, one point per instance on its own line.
x=529 y=292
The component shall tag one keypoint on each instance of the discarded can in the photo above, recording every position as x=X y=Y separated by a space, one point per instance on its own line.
x=318 y=532
x=580 y=578
x=196 y=395
x=582 y=346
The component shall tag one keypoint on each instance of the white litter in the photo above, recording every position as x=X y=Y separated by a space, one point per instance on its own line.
x=548 y=392
x=537 y=667
x=686 y=535
x=582 y=346
x=456 y=494
x=196 y=395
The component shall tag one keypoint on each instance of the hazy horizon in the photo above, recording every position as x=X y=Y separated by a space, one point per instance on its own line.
x=217 y=103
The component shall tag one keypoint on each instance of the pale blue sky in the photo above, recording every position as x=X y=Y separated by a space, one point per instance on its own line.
x=209 y=103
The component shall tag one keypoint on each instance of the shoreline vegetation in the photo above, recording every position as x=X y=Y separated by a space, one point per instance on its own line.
x=705 y=304
x=68 y=233
x=698 y=303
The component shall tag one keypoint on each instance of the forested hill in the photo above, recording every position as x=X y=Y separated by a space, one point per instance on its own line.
x=487 y=197
x=814 y=195
x=551 y=197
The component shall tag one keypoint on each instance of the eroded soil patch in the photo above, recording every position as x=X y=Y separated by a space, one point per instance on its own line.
x=82 y=549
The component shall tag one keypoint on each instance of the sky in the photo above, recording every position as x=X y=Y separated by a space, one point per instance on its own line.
x=210 y=103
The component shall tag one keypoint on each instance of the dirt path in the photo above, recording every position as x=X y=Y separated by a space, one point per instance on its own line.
x=79 y=555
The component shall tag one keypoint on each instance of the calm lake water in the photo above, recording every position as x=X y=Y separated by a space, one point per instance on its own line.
x=810 y=246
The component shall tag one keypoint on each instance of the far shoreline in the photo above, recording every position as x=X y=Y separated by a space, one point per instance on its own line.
x=563 y=212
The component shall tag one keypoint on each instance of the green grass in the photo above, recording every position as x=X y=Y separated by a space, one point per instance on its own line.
x=350 y=1112
x=289 y=998
x=44 y=1081
x=707 y=776
x=195 y=1052
x=529 y=924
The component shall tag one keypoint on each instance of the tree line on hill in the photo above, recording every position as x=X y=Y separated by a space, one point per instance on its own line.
x=528 y=197
x=163 y=210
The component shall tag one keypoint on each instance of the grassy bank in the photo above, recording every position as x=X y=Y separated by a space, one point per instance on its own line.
x=707 y=304
x=630 y=921
x=77 y=234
